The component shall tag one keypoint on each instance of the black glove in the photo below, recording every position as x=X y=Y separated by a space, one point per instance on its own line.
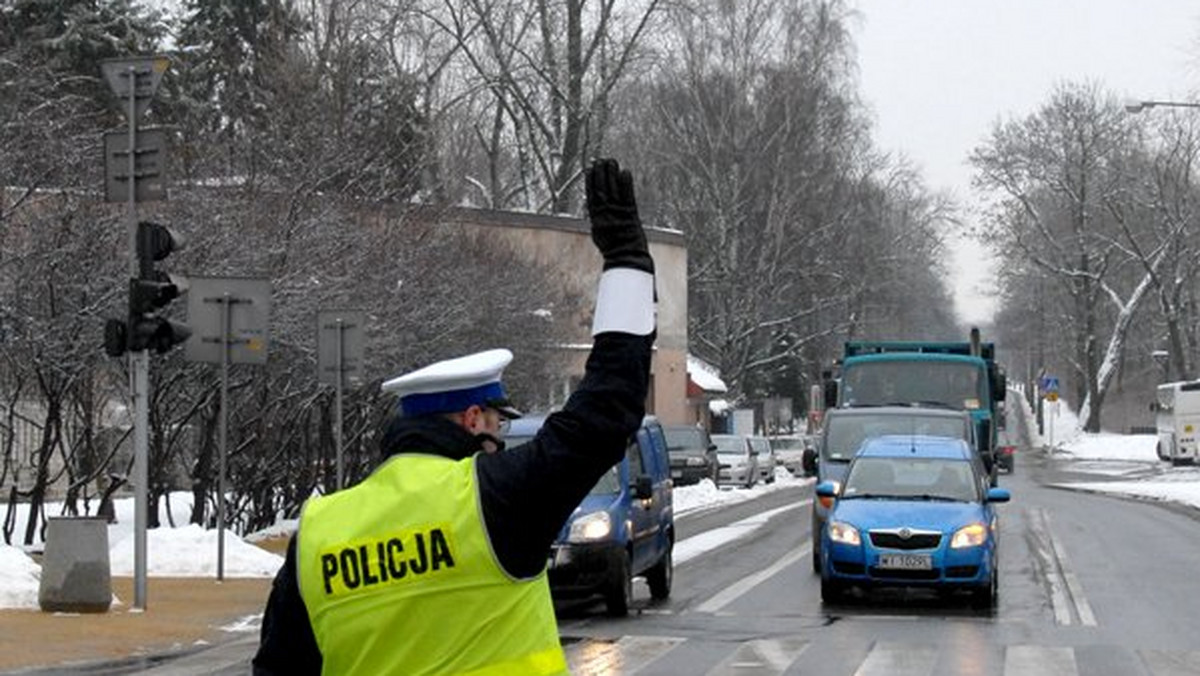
x=612 y=209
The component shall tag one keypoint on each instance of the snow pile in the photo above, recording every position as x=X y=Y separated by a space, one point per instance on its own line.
x=19 y=579
x=191 y=551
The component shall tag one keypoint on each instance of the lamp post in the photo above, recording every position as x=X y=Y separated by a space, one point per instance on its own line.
x=1138 y=106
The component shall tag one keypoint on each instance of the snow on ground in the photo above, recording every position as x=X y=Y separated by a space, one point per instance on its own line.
x=1131 y=456
x=186 y=550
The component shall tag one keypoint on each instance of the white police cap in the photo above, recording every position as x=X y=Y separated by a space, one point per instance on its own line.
x=455 y=385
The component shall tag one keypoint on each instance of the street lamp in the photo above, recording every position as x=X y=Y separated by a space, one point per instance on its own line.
x=1138 y=106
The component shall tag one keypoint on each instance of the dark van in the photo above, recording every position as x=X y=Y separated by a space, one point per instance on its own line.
x=693 y=454
x=624 y=528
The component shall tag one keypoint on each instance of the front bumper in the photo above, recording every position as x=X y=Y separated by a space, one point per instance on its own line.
x=684 y=475
x=733 y=476
x=968 y=568
x=580 y=570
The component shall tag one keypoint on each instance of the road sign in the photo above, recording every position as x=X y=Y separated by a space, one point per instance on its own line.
x=137 y=76
x=340 y=343
x=149 y=181
x=1048 y=384
x=241 y=306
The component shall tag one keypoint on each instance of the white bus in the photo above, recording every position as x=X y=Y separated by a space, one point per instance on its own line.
x=1177 y=417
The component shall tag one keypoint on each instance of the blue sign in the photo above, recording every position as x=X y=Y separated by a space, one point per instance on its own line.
x=1049 y=384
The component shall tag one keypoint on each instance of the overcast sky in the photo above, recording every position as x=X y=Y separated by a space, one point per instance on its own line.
x=938 y=73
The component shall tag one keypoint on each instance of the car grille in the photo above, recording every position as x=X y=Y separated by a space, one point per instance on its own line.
x=892 y=539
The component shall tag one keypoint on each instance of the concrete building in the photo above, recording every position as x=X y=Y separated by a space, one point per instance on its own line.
x=563 y=244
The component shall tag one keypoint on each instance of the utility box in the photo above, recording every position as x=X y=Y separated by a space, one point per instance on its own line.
x=76 y=575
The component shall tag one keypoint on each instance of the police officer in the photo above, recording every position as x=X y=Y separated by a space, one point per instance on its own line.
x=435 y=564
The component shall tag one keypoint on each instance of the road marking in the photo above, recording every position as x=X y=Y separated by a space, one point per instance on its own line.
x=732 y=592
x=899 y=659
x=1066 y=593
x=1082 y=607
x=1041 y=547
x=707 y=541
x=1037 y=660
x=624 y=656
x=761 y=657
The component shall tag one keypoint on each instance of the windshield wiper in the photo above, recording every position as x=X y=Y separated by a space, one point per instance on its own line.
x=935 y=498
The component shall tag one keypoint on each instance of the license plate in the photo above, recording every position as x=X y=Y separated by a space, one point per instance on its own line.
x=676 y=473
x=906 y=561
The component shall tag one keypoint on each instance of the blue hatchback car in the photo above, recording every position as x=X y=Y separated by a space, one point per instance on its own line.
x=913 y=511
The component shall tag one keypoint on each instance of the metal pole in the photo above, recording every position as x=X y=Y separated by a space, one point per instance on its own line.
x=226 y=307
x=140 y=367
x=337 y=419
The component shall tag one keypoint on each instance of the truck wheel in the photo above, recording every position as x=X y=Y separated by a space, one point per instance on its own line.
x=659 y=577
x=620 y=588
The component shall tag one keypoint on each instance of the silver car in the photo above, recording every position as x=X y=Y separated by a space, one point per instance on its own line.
x=764 y=455
x=737 y=463
x=789 y=451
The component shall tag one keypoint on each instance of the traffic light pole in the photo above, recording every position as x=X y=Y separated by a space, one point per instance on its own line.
x=140 y=375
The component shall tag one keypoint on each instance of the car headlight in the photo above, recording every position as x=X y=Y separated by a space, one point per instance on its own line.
x=844 y=533
x=972 y=535
x=594 y=526
x=696 y=462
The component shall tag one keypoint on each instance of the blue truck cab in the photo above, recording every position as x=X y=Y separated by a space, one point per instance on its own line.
x=624 y=528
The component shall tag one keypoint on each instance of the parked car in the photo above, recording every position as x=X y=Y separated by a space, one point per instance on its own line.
x=765 y=460
x=844 y=431
x=624 y=528
x=738 y=465
x=913 y=511
x=789 y=452
x=693 y=454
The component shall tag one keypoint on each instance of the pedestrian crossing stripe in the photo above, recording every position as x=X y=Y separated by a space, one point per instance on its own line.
x=633 y=655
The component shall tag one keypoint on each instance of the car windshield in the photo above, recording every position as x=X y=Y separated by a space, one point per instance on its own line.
x=788 y=443
x=955 y=385
x=684 y=440
x=845 y=434
x=728 y=445
x=911 y=478
x=609 y=483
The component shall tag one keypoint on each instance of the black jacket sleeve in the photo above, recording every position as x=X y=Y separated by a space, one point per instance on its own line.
x=527 y=492
x=287 y=644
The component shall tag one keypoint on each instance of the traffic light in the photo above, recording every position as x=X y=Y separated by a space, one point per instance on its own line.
x=149 y=294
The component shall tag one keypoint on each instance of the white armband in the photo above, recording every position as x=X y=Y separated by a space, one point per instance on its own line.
x=624 y=302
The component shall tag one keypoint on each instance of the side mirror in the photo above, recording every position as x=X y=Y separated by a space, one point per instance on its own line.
x=1154 y=407
x=643 y=488
x=828 y=489
x=998 y=495
x=808 y=461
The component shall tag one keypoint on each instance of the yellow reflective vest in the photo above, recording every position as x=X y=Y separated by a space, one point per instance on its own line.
x=398 y=577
